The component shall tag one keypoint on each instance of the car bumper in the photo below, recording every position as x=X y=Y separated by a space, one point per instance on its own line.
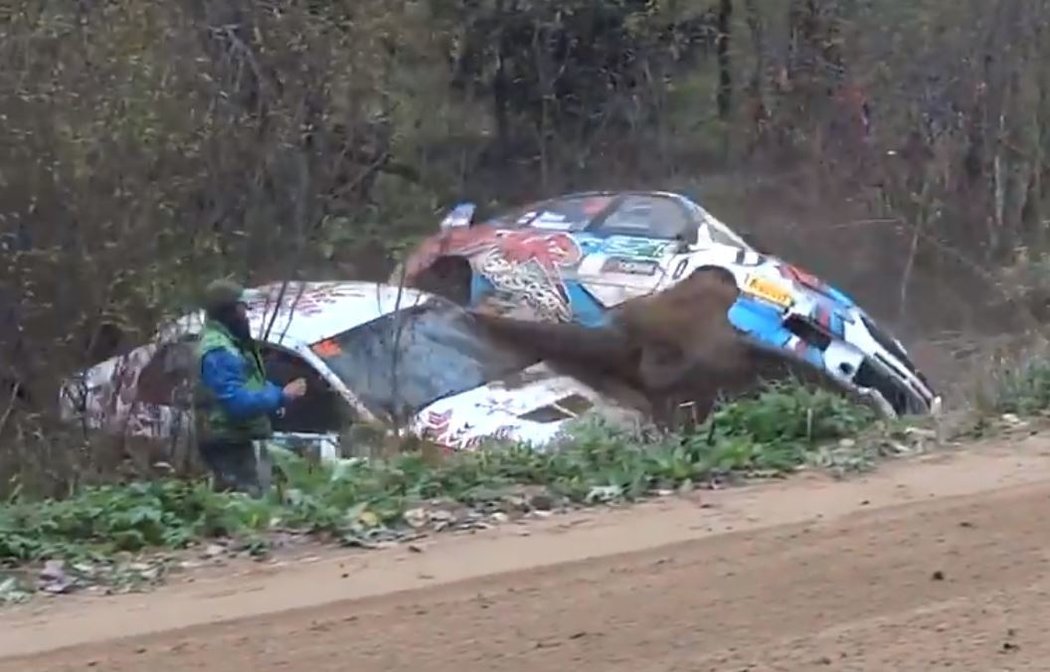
x=868 y=362
x=901 y=394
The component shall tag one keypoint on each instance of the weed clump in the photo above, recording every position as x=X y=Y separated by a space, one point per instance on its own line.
x=1022 y=389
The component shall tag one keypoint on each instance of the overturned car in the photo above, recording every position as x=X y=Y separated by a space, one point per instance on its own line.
x=582 y=258
x=369 y=353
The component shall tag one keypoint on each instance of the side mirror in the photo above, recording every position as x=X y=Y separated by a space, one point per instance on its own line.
x=686 y=239
x=461 y=215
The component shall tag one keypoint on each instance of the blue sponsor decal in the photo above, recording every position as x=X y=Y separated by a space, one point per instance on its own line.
x=635 y=247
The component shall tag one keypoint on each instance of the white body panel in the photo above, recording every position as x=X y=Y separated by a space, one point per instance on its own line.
x=106 y=396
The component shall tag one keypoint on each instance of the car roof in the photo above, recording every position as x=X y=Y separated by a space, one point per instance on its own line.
x=691 y=207
x=673 y=195
x=311 y=311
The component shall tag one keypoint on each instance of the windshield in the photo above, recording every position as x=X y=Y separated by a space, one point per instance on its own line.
x=722 y=234
x=571 y=213
x=402 y=362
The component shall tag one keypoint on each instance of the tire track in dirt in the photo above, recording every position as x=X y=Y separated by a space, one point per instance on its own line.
x=937 y=580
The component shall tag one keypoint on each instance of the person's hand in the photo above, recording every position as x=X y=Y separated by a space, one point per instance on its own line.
x=295 y=389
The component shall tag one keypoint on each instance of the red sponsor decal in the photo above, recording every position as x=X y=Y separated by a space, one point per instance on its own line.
x=550 y=250
x=526 y=254
x=328 y=349
x=439 y=419
x=437 y=425
x=459 y=241
x=804 y=278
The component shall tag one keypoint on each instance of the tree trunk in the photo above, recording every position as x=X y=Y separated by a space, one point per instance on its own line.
x=725 y=74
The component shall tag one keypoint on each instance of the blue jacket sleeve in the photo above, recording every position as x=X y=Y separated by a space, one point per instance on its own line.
x=223 y=373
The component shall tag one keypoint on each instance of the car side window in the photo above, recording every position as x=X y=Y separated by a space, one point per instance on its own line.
x=166 y=379
x=651 y=216
x=321 y=410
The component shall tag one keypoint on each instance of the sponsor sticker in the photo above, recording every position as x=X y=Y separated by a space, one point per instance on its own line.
x=769 y=290
x=552 y=220
x=636 y=247
x=630 y=266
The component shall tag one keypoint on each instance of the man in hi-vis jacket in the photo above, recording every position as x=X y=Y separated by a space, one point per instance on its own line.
x=234 y=401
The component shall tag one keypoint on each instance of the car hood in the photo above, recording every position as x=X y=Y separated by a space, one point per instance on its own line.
x=531 y=406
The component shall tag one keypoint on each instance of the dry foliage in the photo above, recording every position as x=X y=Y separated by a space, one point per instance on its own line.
x=146 y=147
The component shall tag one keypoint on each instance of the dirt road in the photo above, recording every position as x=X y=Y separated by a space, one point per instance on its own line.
x=939 y=563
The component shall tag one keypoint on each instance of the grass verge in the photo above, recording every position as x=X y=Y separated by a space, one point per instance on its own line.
x=1022 y=387
x=357 y=503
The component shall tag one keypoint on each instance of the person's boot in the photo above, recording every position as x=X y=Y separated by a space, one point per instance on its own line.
x=233 y=466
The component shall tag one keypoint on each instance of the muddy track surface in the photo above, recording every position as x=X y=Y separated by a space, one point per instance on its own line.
x=940 y=563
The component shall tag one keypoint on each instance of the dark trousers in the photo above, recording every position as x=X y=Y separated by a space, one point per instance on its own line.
x=233 y=464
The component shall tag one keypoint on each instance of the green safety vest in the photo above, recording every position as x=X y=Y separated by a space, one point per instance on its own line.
x=212 y=422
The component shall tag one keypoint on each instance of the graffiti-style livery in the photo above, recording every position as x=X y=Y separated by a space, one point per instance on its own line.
x=575 y=257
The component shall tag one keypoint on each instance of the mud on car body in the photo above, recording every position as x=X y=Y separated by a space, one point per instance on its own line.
x=575 y=258
x=369 y=353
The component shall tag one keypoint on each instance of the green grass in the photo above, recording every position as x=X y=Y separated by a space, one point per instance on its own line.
x=1022 y=388
x=124 y=537
x=784 y=428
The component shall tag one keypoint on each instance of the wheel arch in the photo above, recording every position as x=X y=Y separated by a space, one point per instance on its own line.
x=448 y=276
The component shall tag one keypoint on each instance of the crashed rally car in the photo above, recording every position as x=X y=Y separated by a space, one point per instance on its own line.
x=369 y=353
x=577 y=258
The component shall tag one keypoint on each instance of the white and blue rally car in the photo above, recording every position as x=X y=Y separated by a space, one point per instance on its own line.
x=575 y=257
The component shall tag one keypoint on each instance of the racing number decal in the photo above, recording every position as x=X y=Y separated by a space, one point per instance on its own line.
x=679 y=270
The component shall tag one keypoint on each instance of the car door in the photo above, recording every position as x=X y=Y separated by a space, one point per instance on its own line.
x=632 y=250
x=314 y=423
x=162 y=406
